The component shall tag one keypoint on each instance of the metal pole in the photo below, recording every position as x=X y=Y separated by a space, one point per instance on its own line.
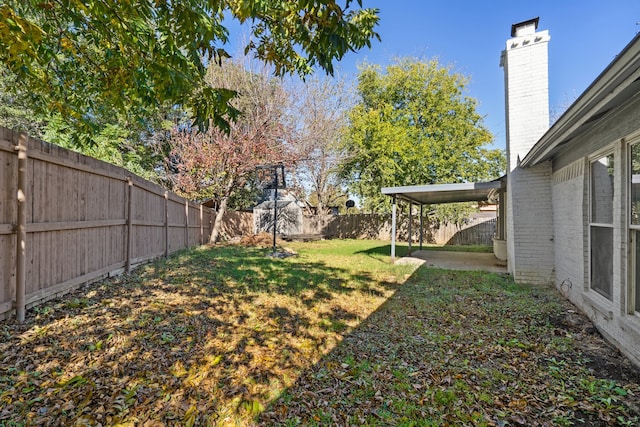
x=410 y=221
x=275 y=209
x=393 y=230
x=21 y=238
x=421 y=226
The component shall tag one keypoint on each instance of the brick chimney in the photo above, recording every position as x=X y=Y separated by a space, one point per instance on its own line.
x=528 y=210
x=526 y=75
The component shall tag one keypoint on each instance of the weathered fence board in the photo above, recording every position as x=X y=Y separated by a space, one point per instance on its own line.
x=85 y=219
x=478 y=231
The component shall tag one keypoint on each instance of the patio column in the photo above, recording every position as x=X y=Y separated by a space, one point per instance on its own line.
x=421 y=226
x=393 y=230
x=410 y=221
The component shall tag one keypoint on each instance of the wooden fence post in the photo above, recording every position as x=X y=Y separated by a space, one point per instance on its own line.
x=186 y=223
x=21 y=229
x=201 y=225
x=166 y=224
x=129 y=223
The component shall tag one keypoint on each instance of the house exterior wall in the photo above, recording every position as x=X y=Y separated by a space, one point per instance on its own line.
x=530 y=225
x=571 y=204
x=570 y=232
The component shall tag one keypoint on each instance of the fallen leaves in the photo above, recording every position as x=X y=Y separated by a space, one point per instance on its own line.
x=330 y=337
x=179 y=341
x=460 y=348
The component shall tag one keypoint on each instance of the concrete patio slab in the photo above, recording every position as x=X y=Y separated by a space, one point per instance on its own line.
x=456 y=261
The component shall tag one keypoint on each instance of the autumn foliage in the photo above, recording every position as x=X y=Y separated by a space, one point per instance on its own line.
x=217 y=164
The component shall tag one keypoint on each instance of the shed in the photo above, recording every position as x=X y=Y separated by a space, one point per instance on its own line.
x=289 y=214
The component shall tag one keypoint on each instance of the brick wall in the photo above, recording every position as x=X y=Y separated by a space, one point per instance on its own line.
x=530 y=225
x=570 y=216
x=529 y=208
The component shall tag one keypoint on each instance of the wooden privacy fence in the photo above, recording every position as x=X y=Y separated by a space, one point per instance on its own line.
x=67 y=219
x=479 y=230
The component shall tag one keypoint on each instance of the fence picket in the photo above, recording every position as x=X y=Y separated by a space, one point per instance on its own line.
x=85 y=219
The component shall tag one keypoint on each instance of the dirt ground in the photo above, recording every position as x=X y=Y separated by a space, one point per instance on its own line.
x=606 y=361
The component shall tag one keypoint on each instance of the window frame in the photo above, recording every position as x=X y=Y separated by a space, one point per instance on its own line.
x=608 y=151
x=633 y=231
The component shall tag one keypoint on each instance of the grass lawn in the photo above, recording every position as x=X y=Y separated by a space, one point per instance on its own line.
x=334 y=336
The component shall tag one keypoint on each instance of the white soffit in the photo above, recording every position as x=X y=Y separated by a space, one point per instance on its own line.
x=444 y=193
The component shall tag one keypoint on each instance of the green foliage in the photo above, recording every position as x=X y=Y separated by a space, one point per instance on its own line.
x=114 y=143
x=414 y=125
x=92 y=60
x=132 y=146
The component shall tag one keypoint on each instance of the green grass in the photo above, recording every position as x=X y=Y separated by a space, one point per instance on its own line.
x=335 y=335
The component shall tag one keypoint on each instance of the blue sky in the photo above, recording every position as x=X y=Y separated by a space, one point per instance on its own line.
x=585 y=35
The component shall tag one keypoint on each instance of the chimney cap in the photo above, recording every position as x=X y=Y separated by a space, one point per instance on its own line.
x=516 y=28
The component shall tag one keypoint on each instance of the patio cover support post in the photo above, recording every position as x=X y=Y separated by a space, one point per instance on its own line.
x=409 y=228
x=421 y=226
x=393 y=230
x=21 y=229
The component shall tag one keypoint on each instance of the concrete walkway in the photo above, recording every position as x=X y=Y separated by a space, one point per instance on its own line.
x=456 y=261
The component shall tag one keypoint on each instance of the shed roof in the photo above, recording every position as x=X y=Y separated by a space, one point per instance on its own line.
x=445 y=193
x=269 y=204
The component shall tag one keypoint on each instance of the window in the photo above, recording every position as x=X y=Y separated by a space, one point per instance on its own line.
x=601 y=225
x=634 y=229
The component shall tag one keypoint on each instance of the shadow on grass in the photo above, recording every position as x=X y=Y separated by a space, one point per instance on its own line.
x=383 y=252
x=460 y=348
x=380 y=252
x=207 y=336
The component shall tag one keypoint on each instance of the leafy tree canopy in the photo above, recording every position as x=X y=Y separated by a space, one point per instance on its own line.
x=414 y=125
x=219 y=165
x=90 y=59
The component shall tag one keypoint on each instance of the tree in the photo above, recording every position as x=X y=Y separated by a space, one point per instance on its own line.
x=320 y=107
x=117 y=141
x=90 y=60
x=219 y=165
x=413 y=125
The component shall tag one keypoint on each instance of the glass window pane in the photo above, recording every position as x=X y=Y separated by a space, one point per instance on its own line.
x=635 y=184
x=602 y=260
x=602 y=190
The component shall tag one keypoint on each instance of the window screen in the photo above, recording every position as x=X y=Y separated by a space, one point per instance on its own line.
x=601 y=228
x=634 y=219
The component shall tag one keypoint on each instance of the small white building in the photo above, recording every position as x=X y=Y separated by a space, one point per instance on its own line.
x=571 y=209
x=289 y=213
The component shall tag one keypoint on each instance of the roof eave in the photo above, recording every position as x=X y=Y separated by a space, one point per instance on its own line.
x=605 y=88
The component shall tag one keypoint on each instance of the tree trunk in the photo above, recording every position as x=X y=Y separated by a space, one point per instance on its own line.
x=222 y=208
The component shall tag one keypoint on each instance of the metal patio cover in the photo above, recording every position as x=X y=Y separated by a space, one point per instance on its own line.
x=444 y=193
